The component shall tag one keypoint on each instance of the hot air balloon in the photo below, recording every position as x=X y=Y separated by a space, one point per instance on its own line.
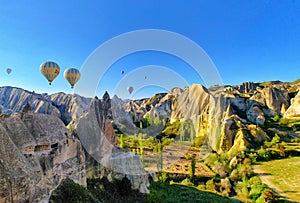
x=122 y=72
x=72 y=75
x=130 y=89
x=8 y=70
x=50 y=70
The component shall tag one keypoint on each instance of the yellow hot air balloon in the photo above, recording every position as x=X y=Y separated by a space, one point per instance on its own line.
x=72 y=75
x=50 y=70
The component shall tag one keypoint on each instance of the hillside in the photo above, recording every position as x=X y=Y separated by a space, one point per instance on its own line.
x=48 y=138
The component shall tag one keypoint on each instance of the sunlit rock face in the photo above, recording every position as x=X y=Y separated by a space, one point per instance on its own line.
x=294 y=110
x=36 y=154
x=97 y=135
x=246 y=87
x=272 y=98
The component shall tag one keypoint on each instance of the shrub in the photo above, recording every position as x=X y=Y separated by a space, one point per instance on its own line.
x=225 y=187
x=234 y=175
x=252 y=157
x=296 y=140
x=257 y=187
x=68 y=191
x=267 y=196
x=187 y=182
x=245 y=170
x=211 y=159
x=210 y=185
x=276 y=118
x=199 y=141
x=163 y=177
x=201 y=187
x=221 y=168
x=263 y=155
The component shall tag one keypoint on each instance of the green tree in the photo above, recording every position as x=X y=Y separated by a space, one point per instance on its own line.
x=192 y=168
x=121 y=141
x=159 y=161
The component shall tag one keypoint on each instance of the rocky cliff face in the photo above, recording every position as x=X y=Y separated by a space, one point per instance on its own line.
x=65 y=106
x=71 y=107
x=98 y=137
x=13 y=99
x=36 y=154
x=294 y=110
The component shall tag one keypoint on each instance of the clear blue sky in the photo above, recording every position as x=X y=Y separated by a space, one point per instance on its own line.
x=255 y=40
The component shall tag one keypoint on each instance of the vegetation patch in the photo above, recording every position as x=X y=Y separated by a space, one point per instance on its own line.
x=284 y=174
x=173 y=193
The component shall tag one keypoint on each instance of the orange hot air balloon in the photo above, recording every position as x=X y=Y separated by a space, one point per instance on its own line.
x=50 y=70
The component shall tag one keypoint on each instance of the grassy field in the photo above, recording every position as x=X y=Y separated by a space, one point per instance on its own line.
x=161 y=192
x=283 y=175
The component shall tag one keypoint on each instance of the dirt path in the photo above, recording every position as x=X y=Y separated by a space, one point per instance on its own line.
x=265 y=178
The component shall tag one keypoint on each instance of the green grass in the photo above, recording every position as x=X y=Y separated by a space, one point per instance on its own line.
x=285 y=175
x=162 y=192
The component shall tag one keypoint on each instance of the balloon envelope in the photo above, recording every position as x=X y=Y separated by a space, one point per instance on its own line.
x=50 y=70
x=8 y=70
x=130 y=89
x=72 y=75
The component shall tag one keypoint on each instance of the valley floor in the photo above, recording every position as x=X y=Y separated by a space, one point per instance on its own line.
x=282 y=176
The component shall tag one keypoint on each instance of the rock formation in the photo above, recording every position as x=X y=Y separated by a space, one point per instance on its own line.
x=97 y=135
x=65 y=106
x=294 y=110
x=36 y=154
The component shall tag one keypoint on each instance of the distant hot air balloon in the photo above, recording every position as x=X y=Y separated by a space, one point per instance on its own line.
x=50 y=70
x=145 y=77
x=72 y=75
x=122 y=72
x=130 y=89
x=8 y=70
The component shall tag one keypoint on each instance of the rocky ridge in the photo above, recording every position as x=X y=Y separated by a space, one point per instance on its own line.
x=39 y=147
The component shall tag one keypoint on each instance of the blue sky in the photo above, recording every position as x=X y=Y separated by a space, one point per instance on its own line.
x=254 y=40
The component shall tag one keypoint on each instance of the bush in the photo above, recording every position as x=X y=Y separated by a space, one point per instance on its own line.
x=256 y=190
x=211 y=186
x=276 y=118
x=267 y=196
x=263 y=155
x=201 y=187
x=252 y=157
x=296 y=140
x=244 y=170
x=187 y=182
x=199 y=141
x=234 y=175
x=211 y=159
x=68 y=191
x=275 y=140
x=163 y=177
x=225 y=187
